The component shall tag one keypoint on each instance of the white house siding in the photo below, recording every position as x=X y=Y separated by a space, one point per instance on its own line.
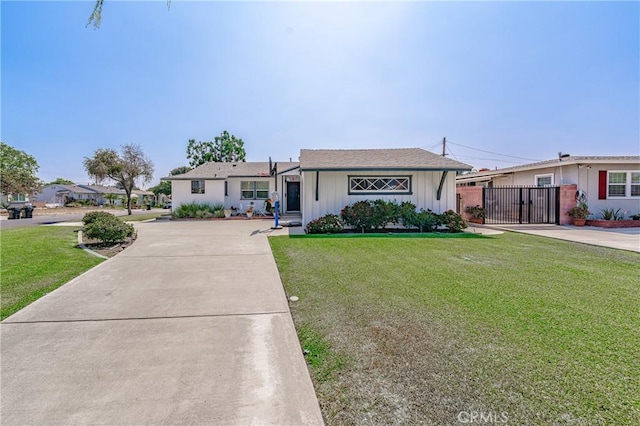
x=181 y=193
x=586 y=178
x=234 y=191
x=333 y=191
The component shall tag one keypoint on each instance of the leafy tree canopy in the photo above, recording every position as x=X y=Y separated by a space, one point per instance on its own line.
x=179 y=170
x=61 y=181
x=224 y=148
x=164 y=187
x=18 y=171
x=125 y=168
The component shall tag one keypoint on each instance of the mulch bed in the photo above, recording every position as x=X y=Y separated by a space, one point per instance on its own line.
x=108 y=250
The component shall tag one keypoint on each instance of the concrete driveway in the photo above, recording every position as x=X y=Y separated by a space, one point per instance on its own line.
x=190 y=325
x=618 y=238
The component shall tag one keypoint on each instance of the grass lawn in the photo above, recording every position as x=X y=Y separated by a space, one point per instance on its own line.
x=416 y=331
x=37 y=260
x=139 y=217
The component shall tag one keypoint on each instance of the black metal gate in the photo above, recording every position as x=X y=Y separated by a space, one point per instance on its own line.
x=522 y=204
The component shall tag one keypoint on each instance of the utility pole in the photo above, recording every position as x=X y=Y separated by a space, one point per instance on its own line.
x=444 y=147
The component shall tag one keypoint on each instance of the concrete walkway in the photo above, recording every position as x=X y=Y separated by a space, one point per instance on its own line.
x=618 y=238
x=190 y=325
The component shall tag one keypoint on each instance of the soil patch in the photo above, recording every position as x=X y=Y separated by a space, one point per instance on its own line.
x=108 y=249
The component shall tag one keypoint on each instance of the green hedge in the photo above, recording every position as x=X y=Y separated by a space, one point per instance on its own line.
x=108 y=229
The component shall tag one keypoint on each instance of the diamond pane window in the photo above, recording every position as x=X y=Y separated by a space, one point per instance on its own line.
x=379 y=184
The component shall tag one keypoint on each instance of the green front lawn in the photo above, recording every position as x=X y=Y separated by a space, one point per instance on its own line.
x=37 y=260
x=418 y=331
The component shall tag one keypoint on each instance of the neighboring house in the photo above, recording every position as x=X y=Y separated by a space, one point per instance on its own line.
x=62 y=194
x=59 y=194
x=238 y=184
x=604 y=181
x=324 y=181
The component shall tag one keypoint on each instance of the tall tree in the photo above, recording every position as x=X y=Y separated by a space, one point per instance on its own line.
x=179 y=170
x=125 y=168
x=224 y=148
x=61 y=181
x=18 y=172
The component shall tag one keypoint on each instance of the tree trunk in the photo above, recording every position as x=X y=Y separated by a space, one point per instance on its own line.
x=128 y=202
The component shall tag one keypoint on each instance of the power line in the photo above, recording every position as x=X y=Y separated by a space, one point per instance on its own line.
x=494 y=153
x=489 y=159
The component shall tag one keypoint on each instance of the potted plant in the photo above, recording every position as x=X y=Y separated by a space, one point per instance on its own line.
x=249 y=211
x=227 y=213
x=477 y=213
x=579 y=214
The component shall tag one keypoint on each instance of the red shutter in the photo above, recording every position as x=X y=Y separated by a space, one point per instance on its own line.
x=602 y=185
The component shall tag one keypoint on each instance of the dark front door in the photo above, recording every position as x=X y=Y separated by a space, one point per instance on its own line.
x=293 y=196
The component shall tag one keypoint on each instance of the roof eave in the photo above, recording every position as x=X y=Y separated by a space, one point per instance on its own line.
x=387 y=169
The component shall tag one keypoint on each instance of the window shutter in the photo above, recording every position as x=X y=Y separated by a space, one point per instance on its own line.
x=602 y=185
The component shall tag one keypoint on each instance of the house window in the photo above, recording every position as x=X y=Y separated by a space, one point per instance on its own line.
x=254 y=190
x=635 y=184
x=623 y=184
x=379 y=184
x=197 y=187
x=544 y=180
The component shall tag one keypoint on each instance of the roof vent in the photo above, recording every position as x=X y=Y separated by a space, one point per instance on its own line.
x=562 y=156
x=234 y=165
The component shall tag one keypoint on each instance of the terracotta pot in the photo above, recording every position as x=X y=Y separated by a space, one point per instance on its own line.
x=475 y=220
x=579 y=222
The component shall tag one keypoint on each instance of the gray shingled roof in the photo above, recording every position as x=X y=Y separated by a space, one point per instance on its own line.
x=376 y=159
x=213 y=170
x=574 y=159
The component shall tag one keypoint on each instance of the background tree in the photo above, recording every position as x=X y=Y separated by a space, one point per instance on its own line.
x=124 y=169
x=179 y=170
x=164 y=187
x=17 y=172
x=224 y=148
x=61 y=181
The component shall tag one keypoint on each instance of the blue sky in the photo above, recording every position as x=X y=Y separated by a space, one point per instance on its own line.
x=523 y=79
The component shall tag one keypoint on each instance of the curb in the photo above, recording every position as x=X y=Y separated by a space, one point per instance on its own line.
x=85 y=248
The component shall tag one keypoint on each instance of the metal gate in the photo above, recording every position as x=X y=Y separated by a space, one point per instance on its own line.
x=522 y=204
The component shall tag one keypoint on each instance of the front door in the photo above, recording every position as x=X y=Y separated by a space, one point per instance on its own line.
x=293 y=196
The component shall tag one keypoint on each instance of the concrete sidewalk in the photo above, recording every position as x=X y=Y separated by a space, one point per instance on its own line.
x=618 y=238
x=189 y=325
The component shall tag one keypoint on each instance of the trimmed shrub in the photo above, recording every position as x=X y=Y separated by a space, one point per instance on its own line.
x=327 y=224
x=361 y=215
x=198 y=210
x=453 y=221
x=427 y=221
x=93 y=216
x=386 y=212
x=108 y=229
x=407 y=213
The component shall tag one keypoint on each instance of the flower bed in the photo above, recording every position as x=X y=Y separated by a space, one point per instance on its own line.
x=601 y=223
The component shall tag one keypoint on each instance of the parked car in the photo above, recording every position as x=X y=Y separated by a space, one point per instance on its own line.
x=166 y=206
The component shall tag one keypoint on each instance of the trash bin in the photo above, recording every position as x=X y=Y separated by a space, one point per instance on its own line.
x=27 y=212
x=148 y=206
x=14 y=213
